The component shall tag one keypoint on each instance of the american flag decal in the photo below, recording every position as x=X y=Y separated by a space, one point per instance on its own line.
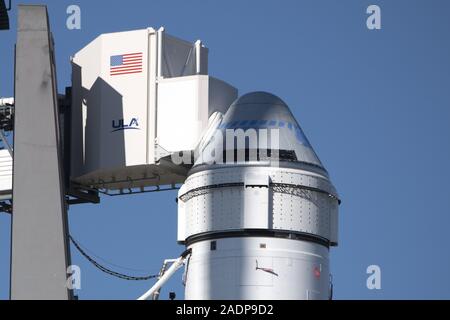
x=126 y=64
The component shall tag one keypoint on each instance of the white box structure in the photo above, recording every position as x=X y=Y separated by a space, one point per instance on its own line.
x=138 y=97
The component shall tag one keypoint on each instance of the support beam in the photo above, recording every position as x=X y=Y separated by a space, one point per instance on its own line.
x=39 y=247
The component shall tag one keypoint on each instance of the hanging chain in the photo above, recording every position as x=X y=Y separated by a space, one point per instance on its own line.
x=106 y=270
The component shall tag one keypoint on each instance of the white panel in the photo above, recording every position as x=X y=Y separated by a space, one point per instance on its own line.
x=179 y=122
x=287 y=269
x=6 y=167
x=310 y=213
x=185 y=105
x=125 y=97
x=256 y=208
x=110 y=108
x=334 y=225
x=152 y=95
x=206 y=274
x=181 y=231
x=256 y=201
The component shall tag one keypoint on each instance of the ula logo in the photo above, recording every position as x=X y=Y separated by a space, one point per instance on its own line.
x=120 y=125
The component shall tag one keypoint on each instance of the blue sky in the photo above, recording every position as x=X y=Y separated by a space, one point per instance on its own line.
x=374 y=104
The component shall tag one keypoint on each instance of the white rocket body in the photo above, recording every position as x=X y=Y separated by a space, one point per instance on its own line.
x=260 y=226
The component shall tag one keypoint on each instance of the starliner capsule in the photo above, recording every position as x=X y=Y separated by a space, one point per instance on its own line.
x=258 y=209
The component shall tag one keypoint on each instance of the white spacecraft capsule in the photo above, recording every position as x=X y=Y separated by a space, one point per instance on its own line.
x=258 y=209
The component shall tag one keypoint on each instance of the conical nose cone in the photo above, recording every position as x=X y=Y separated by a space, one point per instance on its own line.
x=262 y=110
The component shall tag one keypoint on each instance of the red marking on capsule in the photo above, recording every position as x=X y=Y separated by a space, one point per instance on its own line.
x=316 y=272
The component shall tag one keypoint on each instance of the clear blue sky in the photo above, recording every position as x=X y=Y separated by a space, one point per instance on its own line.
x=374 y=104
